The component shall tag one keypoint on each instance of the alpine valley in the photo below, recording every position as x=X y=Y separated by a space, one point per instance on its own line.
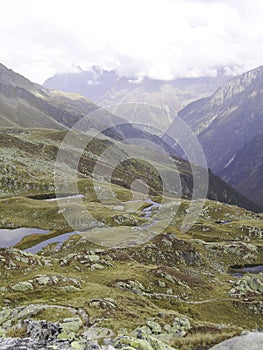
x=92 y=250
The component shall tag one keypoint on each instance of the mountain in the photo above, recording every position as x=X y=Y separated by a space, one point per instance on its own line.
x=28 y=105
x=57 y=110
x=92 y=258
x=228 y=119
x=107 y=88
x=245 y=171
x=25 y=104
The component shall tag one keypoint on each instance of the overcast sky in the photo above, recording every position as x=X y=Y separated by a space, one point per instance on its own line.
x=157 y=38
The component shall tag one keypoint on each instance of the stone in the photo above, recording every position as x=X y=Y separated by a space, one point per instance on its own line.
x=70 y=326
x=154 y=326
x=42 y=330
x=42 y=280
x=69 y=289
x=138 y=344
x=93 y=258
x=161 y=284
x=77 y=346
x=22 y=286
x=94 y=333
x=251 y=341
x=97 y=267
x=103 y=303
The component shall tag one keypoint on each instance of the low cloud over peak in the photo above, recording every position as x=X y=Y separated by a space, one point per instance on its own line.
x=162 y=39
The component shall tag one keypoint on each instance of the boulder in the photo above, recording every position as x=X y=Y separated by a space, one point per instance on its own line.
x=251 y=341
x=22 y=286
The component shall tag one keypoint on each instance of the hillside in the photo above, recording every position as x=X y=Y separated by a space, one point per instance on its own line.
x=54 y=109
x=228 y=119
x=174 y=291
x=94 y=253
x=245 y=172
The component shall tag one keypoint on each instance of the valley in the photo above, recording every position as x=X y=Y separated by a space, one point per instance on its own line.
x=94 y=253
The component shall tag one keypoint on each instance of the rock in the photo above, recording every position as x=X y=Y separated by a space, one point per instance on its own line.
x=246 y=285
x=94 y=333
x=42 y=280
x=42 y=330
x=69 y=289
x=133 y=285
x=103 y=303
x=251 y=341
x=75 y=345
x=32 y=344
x=154 y=327
x=138 y=344
x=161 y=284
x=22 y=287
x=97 y=267
x=70 y=326
x=256 y=284
x=93 y=258
x=146 y=343
x=55 y=280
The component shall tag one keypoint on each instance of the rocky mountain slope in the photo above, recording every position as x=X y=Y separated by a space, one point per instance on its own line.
x=108 y=267
x=107 y=88
x=228 y=119
x=175 y=291
x=245 y=172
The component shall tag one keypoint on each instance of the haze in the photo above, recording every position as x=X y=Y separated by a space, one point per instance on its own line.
x=161 y=39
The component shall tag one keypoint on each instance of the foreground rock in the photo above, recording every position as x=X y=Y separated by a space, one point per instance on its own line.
x=66 y=335
x=251 y=341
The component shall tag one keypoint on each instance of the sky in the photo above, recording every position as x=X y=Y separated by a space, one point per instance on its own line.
x=161 y=39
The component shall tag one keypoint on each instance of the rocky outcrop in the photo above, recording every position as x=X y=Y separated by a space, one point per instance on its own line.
x=252 y=341
x=68 y=333
x=247 y=286
x=12 y=258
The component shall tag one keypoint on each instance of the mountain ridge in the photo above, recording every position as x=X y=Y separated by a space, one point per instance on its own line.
x=229 y=118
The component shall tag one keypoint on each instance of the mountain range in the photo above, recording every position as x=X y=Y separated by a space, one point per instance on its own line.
x=225 y=122
x=38 y=107
x=92 y=254
x=108 y=88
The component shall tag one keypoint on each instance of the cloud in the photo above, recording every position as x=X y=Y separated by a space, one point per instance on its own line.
x=158 y=38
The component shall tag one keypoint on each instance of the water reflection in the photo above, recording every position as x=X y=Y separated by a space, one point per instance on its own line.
x=58 y=239
x=9 y=237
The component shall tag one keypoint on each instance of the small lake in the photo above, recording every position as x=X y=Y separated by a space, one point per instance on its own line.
x=10 y=237
x=61 y=198
x=148 y=211
x=58 y=239
x=241 y=270
x=50 y=197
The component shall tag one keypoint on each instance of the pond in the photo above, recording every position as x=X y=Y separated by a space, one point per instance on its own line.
x=9 y=237
x=148 y=211
x=241 y=270
x=58 y=239
x=54 y=197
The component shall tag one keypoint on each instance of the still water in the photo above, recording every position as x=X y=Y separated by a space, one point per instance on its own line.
x=9 y=237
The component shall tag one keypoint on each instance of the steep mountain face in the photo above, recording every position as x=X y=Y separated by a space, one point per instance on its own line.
x=228 y=119
x=245 y=172
x=107 y=88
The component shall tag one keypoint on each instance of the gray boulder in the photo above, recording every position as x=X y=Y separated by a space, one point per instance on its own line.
x=251 y=341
